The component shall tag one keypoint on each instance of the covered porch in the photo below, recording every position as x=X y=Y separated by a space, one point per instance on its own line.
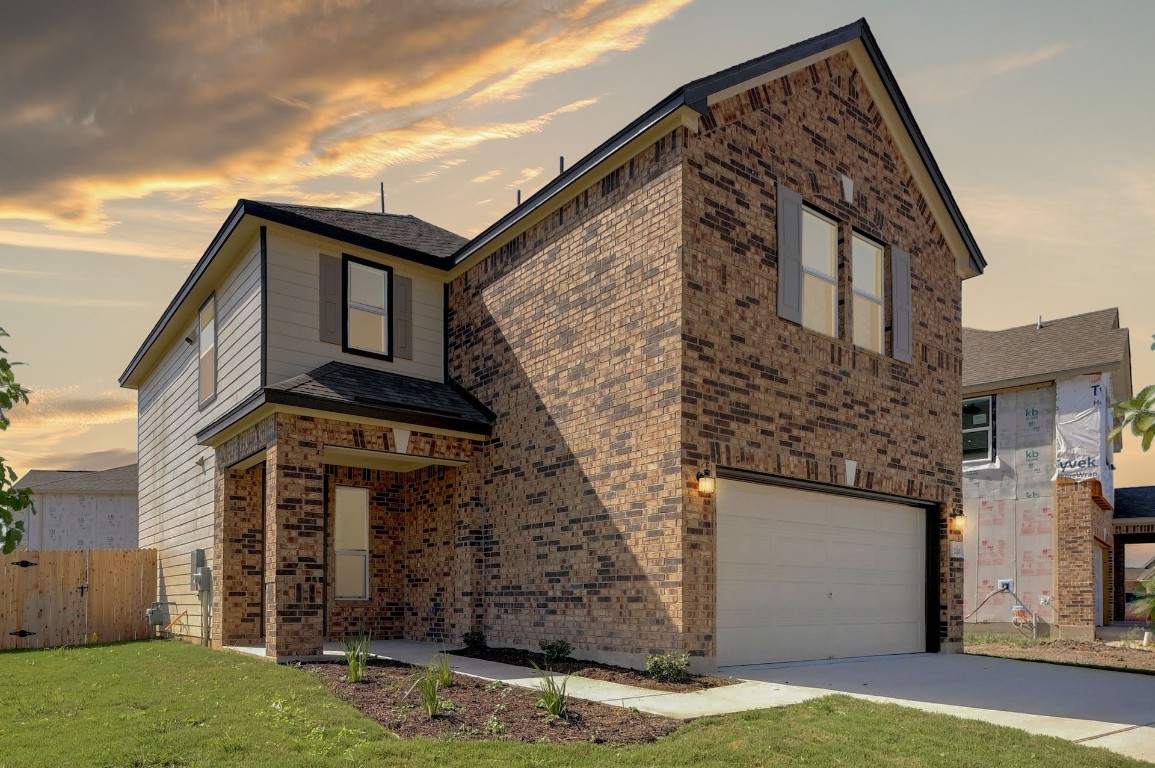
x=327 y=521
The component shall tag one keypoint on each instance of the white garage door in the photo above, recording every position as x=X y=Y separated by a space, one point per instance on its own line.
x=805 y=575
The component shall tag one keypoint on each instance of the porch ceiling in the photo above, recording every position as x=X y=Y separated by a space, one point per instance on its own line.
x=383 y=460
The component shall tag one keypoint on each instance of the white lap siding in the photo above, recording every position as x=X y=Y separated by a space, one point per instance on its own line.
x=294 y=345
x=176 y=493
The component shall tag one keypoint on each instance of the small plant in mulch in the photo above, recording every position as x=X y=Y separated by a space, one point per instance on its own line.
x=428 y=687
x=668 y=667
x=439 y=667
x=474 y=642
x=356 y=648
x=554 y=650
x=553 y=698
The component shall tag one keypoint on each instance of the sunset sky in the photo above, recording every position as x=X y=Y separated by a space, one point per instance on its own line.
x=128 y=129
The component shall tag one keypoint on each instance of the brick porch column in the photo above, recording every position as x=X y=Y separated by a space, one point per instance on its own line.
x=238 y=545
x=1080 y=519
x=294 y=531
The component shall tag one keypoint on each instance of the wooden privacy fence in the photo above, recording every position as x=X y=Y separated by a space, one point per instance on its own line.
x=75 y=596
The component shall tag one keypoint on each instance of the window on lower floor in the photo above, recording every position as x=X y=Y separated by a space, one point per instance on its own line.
x=869 y=308
x=351 y=542
x=978 y=429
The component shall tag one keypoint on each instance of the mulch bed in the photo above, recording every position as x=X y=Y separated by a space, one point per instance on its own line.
x=591 y=670
x=1096 y=654
x=484 y=710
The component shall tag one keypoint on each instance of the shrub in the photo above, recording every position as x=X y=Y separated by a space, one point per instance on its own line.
x=668 y=667
x=428 y=686
x=554 y=650
x=356 y=650
x=474 y=641
x=439 y=667
x=553 y=696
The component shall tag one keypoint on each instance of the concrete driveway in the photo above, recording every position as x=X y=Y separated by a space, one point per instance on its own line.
x=1115 y=710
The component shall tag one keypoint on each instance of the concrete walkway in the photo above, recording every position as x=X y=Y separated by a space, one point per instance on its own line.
x=1114 y=710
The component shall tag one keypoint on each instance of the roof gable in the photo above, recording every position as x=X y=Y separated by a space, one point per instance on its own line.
x=1087 y=343
x=115 y=480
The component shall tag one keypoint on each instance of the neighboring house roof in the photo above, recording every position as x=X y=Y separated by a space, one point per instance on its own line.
x=116 y=480
x=352 y=390
x=427 y=244
x=1135 y=502
x=389 y=229
x=1069 y=346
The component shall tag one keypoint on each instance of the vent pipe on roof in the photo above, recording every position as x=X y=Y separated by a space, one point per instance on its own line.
x=382 y=197
x=561 y=165
x=519 y=197
x=1039 y=327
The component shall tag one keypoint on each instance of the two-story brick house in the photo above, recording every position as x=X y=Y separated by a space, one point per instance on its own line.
x=698 y=394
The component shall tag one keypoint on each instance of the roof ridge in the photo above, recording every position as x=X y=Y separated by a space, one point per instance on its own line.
x=1051 y=320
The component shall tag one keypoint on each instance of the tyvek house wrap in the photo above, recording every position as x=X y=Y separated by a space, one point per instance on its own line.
x=1009 y=506
x=1081 y=431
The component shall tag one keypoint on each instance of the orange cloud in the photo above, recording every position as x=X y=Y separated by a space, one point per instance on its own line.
x=226 y=99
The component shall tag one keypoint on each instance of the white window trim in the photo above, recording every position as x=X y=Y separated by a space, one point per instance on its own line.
x=831 y=280
x=991 y=459
x=203 y=398
x=362 y=553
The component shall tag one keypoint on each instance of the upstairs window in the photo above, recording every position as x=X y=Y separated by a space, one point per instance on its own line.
x=367 y=308
x=819 y=273
x=207 y=351
x=869 y=308
x=978 y=430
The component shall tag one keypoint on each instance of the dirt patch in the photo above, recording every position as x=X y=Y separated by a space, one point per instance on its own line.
x=479 y=709
x=592 y=670
x=1073 y=652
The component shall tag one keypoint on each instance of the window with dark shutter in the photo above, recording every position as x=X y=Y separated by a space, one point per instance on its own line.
x=901 y=318
x=789 y=254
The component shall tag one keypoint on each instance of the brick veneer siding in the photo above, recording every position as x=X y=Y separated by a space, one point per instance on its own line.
x=763 y=394
x=409 y=512
x=571 y=335
x=1081 y=519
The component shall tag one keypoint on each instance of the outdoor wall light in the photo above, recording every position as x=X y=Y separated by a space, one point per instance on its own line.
x=959 y=520
x=705 y=481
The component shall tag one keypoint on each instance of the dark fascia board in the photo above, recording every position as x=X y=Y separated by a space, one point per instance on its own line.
x=312 y=226
x=276 y=216
x=218 y=241
x=382 y=412
x=639 y=126
x=977 y=260
x=696 y=94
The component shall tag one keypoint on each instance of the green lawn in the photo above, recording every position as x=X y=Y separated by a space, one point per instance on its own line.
x=172 y=704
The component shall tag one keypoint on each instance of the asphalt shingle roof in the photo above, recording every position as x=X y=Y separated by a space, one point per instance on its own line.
x=351 y=384
x=116 y=480
x=404 y=230
x=1083 y=342
x=1135 y=502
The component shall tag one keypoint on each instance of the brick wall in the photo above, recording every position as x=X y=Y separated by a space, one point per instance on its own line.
x=571 y=335
x=766 y=395
x=1080 y=519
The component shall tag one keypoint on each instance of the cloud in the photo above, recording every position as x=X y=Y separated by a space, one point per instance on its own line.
x=953 y=82
x=6 y=272
x=74 y=301
x=129 y=99
x=94 y=460
x=487 y=176
x=66 y=407
x=527 y=175
x=59 y=241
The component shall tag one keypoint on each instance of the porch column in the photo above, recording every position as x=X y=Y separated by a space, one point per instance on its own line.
x=238 y=545
x=294 y=555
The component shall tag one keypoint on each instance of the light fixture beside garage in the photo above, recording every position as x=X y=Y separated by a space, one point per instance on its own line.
x=705 y=481
x=959 y=520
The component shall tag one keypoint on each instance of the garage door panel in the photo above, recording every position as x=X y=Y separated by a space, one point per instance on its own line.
x=805 y=575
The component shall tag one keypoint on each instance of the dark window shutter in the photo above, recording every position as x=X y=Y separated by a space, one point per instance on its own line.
x=403 y=317
x=789 y=254
x=902 y=326
x=331 y=299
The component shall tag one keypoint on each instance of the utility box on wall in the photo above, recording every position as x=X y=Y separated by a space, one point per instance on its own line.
x=200 y=575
